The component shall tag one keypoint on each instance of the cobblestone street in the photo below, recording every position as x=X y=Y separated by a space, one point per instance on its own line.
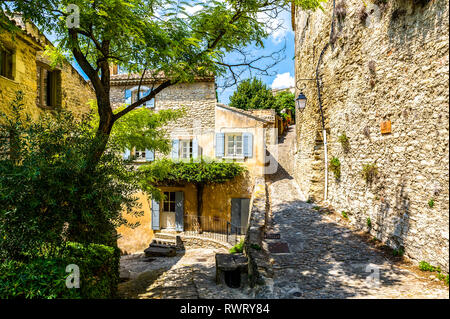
x=190 y=275
x=327 y=259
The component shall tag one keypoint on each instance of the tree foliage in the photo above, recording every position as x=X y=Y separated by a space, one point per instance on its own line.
x=252 y=94
x=47 y=196
x=284 y=100
x=165 y=172
x=143 y=128
x=153 y=37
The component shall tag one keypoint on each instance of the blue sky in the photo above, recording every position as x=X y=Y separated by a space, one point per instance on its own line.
x=282 y=75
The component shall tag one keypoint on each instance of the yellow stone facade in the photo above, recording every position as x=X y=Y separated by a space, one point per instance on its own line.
x=27 y=47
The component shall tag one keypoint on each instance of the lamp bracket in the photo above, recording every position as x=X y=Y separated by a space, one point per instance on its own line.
x=304 y=86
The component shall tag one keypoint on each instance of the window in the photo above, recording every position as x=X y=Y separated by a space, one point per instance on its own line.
x=169 y=202
x=234 y=147
x=6 y=63
x=185 y=149
x=47 y=82
x=139 y=155
x=142 y=93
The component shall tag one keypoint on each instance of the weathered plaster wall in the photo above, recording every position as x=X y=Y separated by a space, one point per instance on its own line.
x=393 y=66
x=75 y=91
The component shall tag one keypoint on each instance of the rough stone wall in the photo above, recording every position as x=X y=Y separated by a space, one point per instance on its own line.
x=198 y=99
x=74 y=92
x=391 y=66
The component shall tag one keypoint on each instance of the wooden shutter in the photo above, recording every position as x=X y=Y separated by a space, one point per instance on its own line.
x=126 y=154
x=175 y=148
x=127 y=97
x=248 y=144
x=149 y=155
x=155 y=215
x=220 y=145
x=245 y=207
x=179 y=211
x=194 y=148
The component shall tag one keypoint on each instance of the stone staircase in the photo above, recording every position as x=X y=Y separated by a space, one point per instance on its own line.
x=167 y=240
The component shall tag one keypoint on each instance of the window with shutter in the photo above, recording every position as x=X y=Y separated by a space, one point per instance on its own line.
x=6 y=63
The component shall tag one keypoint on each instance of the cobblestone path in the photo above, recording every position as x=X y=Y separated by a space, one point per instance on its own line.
x=327 y=259
x=190 y=275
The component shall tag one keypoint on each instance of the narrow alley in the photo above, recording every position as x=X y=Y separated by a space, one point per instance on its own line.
x=324 y=258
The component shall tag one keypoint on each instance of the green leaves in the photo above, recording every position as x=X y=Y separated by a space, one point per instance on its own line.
x=252 y=94
x=166 y=171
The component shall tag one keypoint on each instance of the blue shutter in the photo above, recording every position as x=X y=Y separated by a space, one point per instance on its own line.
x=155 y=215
x=149 y=155
x=126 y=154
x=194 y=148
x=127 y=97
x=220 y=145
x=248 y=144
x=175 y=148
x=179 y=211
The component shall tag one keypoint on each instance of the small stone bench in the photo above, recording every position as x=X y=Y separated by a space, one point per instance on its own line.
x=231 y=270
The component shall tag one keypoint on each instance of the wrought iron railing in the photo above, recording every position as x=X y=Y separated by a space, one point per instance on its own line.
x=213 y=228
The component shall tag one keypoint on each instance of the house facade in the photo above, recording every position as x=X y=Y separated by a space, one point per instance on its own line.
x=207 y=130
x=24 y=67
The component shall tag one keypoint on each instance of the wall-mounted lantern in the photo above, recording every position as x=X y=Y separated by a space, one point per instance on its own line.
x=300 y=101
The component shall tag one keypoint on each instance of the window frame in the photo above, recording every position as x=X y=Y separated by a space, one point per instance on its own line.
x=141 y=152
x=47 y=85
x=188 y=147
x=142 y=90
x=8 y=68
x=169 y=201
x=234 y=154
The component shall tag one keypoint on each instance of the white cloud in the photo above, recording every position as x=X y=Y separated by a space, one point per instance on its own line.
x=283 y=80
x=278 y=27
x=193 y=10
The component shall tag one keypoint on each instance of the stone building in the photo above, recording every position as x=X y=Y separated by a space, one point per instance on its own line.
x=207 y=130
x=24 y=67
x=385 y=96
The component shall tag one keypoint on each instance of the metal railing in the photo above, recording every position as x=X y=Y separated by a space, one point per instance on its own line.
x=213 y=228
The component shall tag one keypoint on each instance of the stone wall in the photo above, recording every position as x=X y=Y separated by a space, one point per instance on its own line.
x=197 y=98
x=390 y=65
x=74 y=92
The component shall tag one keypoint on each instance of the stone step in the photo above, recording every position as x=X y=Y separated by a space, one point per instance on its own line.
x=163 y=242
x=160 y=252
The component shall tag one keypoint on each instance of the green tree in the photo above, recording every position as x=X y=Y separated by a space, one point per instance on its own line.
x=252 y=94
x=285 y=100
x=47 y=198
x=201 y=173
x=150 y=36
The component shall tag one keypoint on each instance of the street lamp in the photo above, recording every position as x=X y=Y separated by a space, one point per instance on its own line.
x=300 y=101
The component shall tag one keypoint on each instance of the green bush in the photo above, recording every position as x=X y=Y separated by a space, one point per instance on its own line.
x=369 y=222
x=345 y=214
x=424 y=266
x=238 y=248
x=47 y=193
x=343 y=139
x=431 y=203
x=335 y=167
x=44 y=277
x=369 y=172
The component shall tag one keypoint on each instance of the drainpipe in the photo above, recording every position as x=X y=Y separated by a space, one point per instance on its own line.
x=325 y=148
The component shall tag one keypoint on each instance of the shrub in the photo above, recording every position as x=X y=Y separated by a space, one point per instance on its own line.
x=44 y=277
x=424 y=266
x=345 y=214
x=48 y=195
x=238 y=248
x=40 y=278
x=335 y=167
x=398 y=252
x=431 y=203
x=369 y=172
x=369 y=222
x=343 y=139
